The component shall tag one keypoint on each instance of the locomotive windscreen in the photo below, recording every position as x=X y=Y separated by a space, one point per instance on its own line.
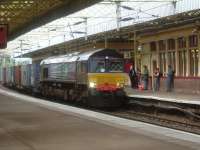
x=101 y=65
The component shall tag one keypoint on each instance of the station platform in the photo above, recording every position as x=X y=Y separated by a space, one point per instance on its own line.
x=165 y=96
x=28 y=123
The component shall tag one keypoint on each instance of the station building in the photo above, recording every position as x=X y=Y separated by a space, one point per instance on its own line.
x=178 y=46
x=172 y=40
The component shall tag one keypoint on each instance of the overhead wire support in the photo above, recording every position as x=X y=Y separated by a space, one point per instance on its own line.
x=118 y=14
x=174 y=3
x=71 y=33
x=127 y=12
x=86 y=27
x=85 y=21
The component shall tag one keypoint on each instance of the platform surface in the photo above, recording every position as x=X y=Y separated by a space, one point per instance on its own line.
x=28 y=123
x=165 y=96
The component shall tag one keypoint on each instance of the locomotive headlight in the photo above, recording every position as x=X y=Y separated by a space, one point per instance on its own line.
x=92 y=85
x=120 y=84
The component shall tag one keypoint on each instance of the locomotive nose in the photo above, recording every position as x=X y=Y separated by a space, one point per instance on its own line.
x=107 y=82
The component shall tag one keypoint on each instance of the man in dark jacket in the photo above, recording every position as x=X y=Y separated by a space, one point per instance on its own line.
x=145 y=76
x=133 y=77
x=157 y=76
x=170 y=78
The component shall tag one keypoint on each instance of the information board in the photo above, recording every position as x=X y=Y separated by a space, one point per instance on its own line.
x=3 y=35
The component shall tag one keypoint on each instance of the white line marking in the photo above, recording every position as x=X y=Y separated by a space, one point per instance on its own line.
x=166 y=99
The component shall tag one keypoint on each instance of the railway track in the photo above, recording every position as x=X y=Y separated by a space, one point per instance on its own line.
x=184 y=117
x=170 y=122
x=170 y=117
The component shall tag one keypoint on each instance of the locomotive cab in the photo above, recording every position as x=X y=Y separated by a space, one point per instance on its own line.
x=107 y=74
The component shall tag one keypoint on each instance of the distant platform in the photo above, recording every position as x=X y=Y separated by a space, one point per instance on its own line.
x=165 y=96
x=28 y=123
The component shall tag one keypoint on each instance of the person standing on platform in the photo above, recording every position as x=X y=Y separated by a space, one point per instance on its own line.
x=157 y=79
x=170 y=79
x=127 y=66
x=138 y=77
x=145 y=77
x=173 y=79
x=133 y=77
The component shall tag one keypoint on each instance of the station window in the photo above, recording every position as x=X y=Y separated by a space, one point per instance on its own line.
x=194 y=62
x=193 y=41
x=181 y=43
x=171 y=44
x=162 y=45
x=182 y=62
x=162 y=62
x=153 y=46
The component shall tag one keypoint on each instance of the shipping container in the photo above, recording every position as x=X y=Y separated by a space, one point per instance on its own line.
x=26 y=76
x=17 y=76
x=9 y=76
x=35 y=76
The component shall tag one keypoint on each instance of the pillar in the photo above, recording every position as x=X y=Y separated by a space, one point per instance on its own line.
x=198 y=53
x=187 y=57
x=166 y=55
x=135 y=50
x=176 y=58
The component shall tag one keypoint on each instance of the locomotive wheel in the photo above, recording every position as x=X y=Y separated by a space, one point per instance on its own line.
x=72 y=95
x=43 y=90
x=50 y=91
x=46 y=90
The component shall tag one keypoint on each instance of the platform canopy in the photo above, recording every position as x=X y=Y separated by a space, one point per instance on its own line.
x=25 y=15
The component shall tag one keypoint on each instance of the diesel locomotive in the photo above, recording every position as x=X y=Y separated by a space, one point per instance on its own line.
x=96 y=77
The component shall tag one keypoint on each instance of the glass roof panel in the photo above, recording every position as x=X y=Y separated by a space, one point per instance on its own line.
x=101 y=17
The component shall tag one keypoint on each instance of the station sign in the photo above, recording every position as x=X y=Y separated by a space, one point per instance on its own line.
x=3 y=35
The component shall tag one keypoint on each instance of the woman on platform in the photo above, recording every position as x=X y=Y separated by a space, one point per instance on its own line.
x=145 y=77
x=157 y=75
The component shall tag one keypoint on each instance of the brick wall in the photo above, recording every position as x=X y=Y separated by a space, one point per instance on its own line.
x=185 y=85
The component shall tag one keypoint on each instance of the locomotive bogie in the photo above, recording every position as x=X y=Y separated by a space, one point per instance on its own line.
x=106 y=98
